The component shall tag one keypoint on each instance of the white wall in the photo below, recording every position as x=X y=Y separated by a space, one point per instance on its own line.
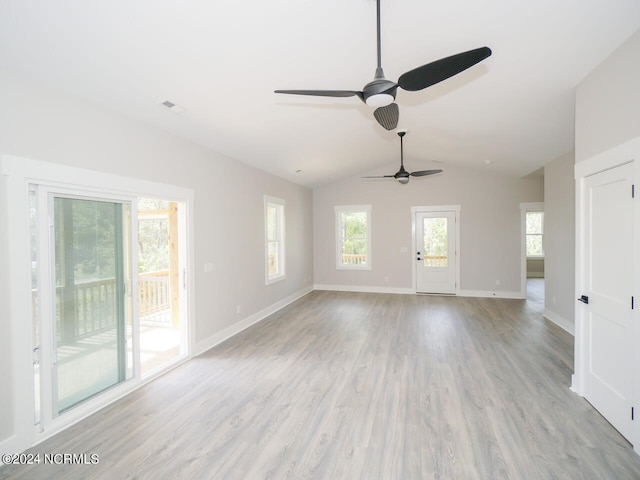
x=47 y=125
x=608 y=123
x=6 y=404
x=608 y=102
x=489 y=226
x=559 y=241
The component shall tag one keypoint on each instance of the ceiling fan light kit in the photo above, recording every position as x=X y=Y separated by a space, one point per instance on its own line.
x=380 y=100
x=381 y=93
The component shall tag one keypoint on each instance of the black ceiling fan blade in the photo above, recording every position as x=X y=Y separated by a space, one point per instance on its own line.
x=387 y=116
x=422 y=173
x=435 y=72
x=323 y=93
x=380 y=176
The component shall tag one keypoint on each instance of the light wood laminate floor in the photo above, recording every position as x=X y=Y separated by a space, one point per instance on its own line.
x=361 y=386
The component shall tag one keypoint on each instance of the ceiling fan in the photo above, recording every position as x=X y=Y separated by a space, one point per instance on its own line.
x=381 y=93
x=402 y=175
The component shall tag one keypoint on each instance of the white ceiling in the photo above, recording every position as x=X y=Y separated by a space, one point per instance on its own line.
x=221 y=61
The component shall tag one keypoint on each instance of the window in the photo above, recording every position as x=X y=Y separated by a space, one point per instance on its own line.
x=353 y=237
x=534 y=234
x=274 y=239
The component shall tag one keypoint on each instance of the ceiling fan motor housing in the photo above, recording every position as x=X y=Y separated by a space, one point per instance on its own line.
x=379 y=86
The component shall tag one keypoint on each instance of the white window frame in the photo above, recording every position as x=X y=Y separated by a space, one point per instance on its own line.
x=526 y=235
x=280 y=204
x=339 y=210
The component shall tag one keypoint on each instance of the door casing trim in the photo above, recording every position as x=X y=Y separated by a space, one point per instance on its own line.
x=614 y=157
x=435 y=208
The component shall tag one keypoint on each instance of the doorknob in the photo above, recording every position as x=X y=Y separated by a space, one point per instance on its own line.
x=584 y=299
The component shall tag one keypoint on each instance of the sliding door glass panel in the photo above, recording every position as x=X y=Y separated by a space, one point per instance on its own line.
x=92 y=308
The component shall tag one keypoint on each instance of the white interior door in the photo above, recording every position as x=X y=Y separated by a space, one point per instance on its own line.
x=436 y=252
x=608 y=276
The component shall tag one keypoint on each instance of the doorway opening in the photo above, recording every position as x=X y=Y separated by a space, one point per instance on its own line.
x=532 y=251
x=159 y=284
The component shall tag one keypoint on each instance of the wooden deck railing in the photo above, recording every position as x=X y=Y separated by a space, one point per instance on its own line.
x=94 y=304
x=353 y=259
x=435 y=261
x=359 y=259
x=154 y=299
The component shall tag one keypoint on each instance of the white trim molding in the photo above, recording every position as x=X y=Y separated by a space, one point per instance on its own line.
x=435 y=208
x=281 y=234
x=19 y=173
x=411 y=291
x=559 y=320
x=617 y=156
x=339 y=210
x=365 y=289
x=245 y=323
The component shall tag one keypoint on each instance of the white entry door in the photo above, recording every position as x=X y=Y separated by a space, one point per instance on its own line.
x=608 y=276
x=436 y=252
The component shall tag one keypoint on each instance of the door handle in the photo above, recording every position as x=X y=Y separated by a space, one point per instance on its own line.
x=584 y=299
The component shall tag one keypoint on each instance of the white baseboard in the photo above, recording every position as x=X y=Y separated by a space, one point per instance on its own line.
x=411 y=291
x=535 y=274
x=489 y=294
x=365 y=289
x=559 y=320
x=11 y=445
x=245 y=323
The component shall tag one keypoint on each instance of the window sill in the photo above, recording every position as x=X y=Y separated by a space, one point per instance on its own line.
x=273 y=280
x=353 y=267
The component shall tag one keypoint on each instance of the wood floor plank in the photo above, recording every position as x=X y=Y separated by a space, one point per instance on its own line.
x=360 y=386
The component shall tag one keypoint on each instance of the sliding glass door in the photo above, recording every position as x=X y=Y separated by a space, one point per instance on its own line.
x=92 y=312
x=107 y=296
x=82 y=291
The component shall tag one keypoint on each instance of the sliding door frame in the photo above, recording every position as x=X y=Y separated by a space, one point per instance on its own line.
x=50 y=414
x=18 y=174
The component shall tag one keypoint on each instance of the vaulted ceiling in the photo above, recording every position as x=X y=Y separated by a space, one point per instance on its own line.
x=221 y=61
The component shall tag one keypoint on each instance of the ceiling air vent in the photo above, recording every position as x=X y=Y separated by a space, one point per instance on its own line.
x=172 y=106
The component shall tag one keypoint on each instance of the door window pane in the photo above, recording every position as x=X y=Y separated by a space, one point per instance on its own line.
x=92 y=322
x=435 y=242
